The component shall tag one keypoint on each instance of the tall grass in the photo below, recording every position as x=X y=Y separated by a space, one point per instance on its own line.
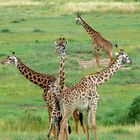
x=20 y=3
x=61 y=7
x=101 y=6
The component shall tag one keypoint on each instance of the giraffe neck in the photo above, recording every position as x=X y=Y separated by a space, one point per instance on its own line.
x=101 y=77
x=31 y=75
x=88 y=29
x=62 y=72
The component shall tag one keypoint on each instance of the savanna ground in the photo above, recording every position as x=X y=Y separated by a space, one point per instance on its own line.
x=30 y=27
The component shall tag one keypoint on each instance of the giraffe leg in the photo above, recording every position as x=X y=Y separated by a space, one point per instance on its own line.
x=88 y=124
x=57 y=131
x=52 y=130
x=63 y=125
x=82 y=122
x=76 y=119
x=67 y=132
x=94 y=124
x=62 y=129
x=93 y=112
x=96 y=51
x=109 y=53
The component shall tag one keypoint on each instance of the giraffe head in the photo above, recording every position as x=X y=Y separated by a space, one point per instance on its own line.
x=61 y=44
x=78 y=19
x=11 y=59
x=123 y=57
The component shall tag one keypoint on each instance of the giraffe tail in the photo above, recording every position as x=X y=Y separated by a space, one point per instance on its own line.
x=81 y=118
x=69 y=129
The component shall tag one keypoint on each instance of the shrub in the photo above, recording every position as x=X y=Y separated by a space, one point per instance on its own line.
x=5 y=30
x=15 y=21
x=37 y=30
x=133 y=114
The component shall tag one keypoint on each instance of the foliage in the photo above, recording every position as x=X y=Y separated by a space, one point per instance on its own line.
x=133 y=114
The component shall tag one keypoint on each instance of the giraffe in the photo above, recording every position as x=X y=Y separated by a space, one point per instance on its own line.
x=56 y=116
x=43 y=81
x=83 y=95
x=61 y=44
x=98 y=41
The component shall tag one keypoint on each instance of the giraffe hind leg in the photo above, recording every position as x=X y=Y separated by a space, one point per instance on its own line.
x=88 y=125
x=76 y=119
x=64 y=125
x=109 y=53
x=94 y=124
x=81 y=121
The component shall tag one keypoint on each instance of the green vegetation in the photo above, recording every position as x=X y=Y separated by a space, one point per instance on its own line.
x=133 y=115
x=30 y=31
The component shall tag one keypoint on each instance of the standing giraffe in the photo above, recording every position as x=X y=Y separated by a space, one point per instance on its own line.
x=56 y=116
x=61 y=44
x=98 y=42
x=83 y=95
x=42 y=80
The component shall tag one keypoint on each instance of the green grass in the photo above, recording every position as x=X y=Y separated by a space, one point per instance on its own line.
x=31 y=32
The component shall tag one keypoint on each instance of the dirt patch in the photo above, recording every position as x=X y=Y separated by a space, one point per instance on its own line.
x=103 y=62
x=92 y=63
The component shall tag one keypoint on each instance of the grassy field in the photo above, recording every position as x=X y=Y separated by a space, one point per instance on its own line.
x=30 y=31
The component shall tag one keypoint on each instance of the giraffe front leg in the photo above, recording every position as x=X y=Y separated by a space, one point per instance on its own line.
x=53 y=129
x=62 y=129
x=57 y=130
x=96 y=51
x=93 y=112
x=51 y=125
x=88 y=124
x=63 y=124
x=94 y=124
x=67 y=132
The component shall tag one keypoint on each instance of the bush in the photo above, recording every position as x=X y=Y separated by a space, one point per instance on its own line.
x=15 y=21
x=5 y=31
x=133 y=114
x=37 y=30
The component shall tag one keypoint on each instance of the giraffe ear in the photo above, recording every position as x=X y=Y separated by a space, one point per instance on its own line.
x=116 y=53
